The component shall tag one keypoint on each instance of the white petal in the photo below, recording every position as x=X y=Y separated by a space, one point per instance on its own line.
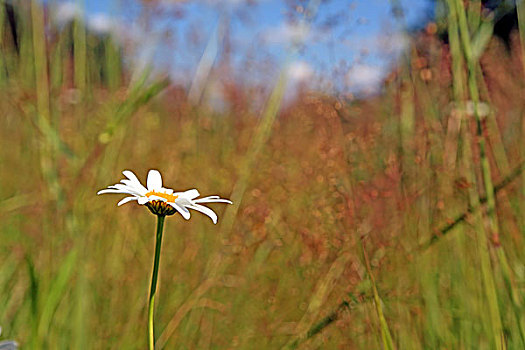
x=133 y=179
x=205 y=210
x=136 y=186
x=125 y=200
x=112 y=190
x=130 y=175
x=167 y=190
x=154 y=180
x=121 y=187
x=142 y=200
x=213 y=199
x=190 y=194
x=183 y=211
x=182 y=201
x=129 y=189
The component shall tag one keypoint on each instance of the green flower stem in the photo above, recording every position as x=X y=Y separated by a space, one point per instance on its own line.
x=160 y=227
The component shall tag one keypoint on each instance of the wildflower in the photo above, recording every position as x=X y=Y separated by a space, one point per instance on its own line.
x=160 y=200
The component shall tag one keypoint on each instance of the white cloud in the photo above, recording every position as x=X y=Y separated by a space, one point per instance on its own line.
x=392 y=44
x=287 y=33
x=299 y=74
x=364 y=78
x=386 y=44
x=97 y=22
x=299 y=71
x=67 y=11
x=101 y=23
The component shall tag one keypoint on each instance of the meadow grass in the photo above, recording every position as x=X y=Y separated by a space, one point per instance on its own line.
x=435 y=189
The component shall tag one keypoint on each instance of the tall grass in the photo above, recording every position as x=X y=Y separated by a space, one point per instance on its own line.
x=435 y=187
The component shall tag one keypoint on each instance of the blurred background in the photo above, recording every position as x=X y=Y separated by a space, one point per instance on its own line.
x=374 y=151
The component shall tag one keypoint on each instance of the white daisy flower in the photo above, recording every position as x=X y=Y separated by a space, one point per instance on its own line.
x=160 y=200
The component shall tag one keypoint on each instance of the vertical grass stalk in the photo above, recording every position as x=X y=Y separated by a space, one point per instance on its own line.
x=3 y=64
x=406 y=105
x=407 y=123
x=42 y=97
x=112 y=64
x=521 y=25
x=486 y=270
x=154 y=277
x=486 y=171
x=388 y=343
x=80 y=51
x=458 y=89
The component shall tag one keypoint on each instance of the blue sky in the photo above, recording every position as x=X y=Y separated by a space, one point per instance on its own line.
x=356 y=40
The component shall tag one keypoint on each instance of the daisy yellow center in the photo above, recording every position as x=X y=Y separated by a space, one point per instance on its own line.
x=169 y=197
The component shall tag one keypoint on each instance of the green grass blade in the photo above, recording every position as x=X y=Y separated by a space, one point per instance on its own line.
x=388 y=343
x=57 y=290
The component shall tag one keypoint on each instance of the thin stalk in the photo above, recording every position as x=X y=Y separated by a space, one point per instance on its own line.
x=56 y=65
x=406 y=105
x=493 y=133
x=474 y=95
x=452 y=143
x=43 y=96
x=489 y=188
x=322 y=291
x=388 y=343
x=318 y=327
x=474 y=11
x=154 y=277
x=26 y=66
x=441 y=232
x=458 y=90
x=80 y=50
x=113 y=55
x=483 y=248
x=112 y=64
x=3 y=64
x=495 y=140
x=486 y=172
x=407 y=123
x=520 y=5
x=48 y=144
x=445 y=229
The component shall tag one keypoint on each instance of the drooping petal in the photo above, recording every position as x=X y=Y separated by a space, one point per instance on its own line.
x=121 y=187
x=154 y=180
x=183 y=211
x=136 y=186
x=129 y=189
x=190 y=194
x=131 y=175
x=204 y=210
x=125 y=200
x=142 y=200
x=212 y=199
x=133 y=178
x=112 y=190
x=182 y=201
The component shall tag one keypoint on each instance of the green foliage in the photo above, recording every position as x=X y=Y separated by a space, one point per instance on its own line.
x=434 y=187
